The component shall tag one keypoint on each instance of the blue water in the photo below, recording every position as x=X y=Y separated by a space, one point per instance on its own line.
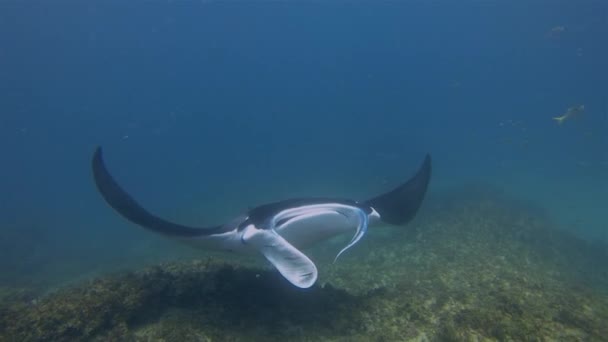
x=206 y=108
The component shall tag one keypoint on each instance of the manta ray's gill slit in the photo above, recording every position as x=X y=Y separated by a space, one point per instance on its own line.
x=337 y=211
x=282 y=221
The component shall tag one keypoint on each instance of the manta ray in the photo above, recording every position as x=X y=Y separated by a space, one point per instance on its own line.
x=280 y=230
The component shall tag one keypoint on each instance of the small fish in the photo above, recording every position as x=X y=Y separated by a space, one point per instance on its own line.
x=556 y=31
x=571 y=113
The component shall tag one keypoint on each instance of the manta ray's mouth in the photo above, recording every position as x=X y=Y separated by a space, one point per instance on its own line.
x=317 y=222
x=284 y=221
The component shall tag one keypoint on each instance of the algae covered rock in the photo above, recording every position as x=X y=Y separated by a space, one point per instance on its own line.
x=477 y=268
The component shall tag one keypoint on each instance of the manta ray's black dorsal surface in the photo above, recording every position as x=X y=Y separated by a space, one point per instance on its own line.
x=400 y=205
x=397 y=206
x=125 y=205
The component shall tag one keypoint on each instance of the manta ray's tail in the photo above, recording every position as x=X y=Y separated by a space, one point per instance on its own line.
x=400 y=205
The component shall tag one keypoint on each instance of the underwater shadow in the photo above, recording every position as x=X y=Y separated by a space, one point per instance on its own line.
x=215 y=295
x=253 y=298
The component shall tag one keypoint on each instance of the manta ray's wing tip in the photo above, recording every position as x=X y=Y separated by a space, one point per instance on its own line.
x=400 y=205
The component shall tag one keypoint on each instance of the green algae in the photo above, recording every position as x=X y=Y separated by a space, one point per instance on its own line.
x=480 y=268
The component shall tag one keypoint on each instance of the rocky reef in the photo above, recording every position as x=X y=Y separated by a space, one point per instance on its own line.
x=474 y=267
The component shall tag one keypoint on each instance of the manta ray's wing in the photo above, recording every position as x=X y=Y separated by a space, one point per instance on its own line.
x=296 y=267
x=401 y=204
x=125 y=205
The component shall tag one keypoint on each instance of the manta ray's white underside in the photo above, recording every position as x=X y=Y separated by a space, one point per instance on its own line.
x=289 y=231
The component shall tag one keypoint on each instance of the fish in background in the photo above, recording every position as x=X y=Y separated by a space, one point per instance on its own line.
x=571 y=113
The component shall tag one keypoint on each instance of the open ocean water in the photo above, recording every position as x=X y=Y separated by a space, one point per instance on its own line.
x=208 y=108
